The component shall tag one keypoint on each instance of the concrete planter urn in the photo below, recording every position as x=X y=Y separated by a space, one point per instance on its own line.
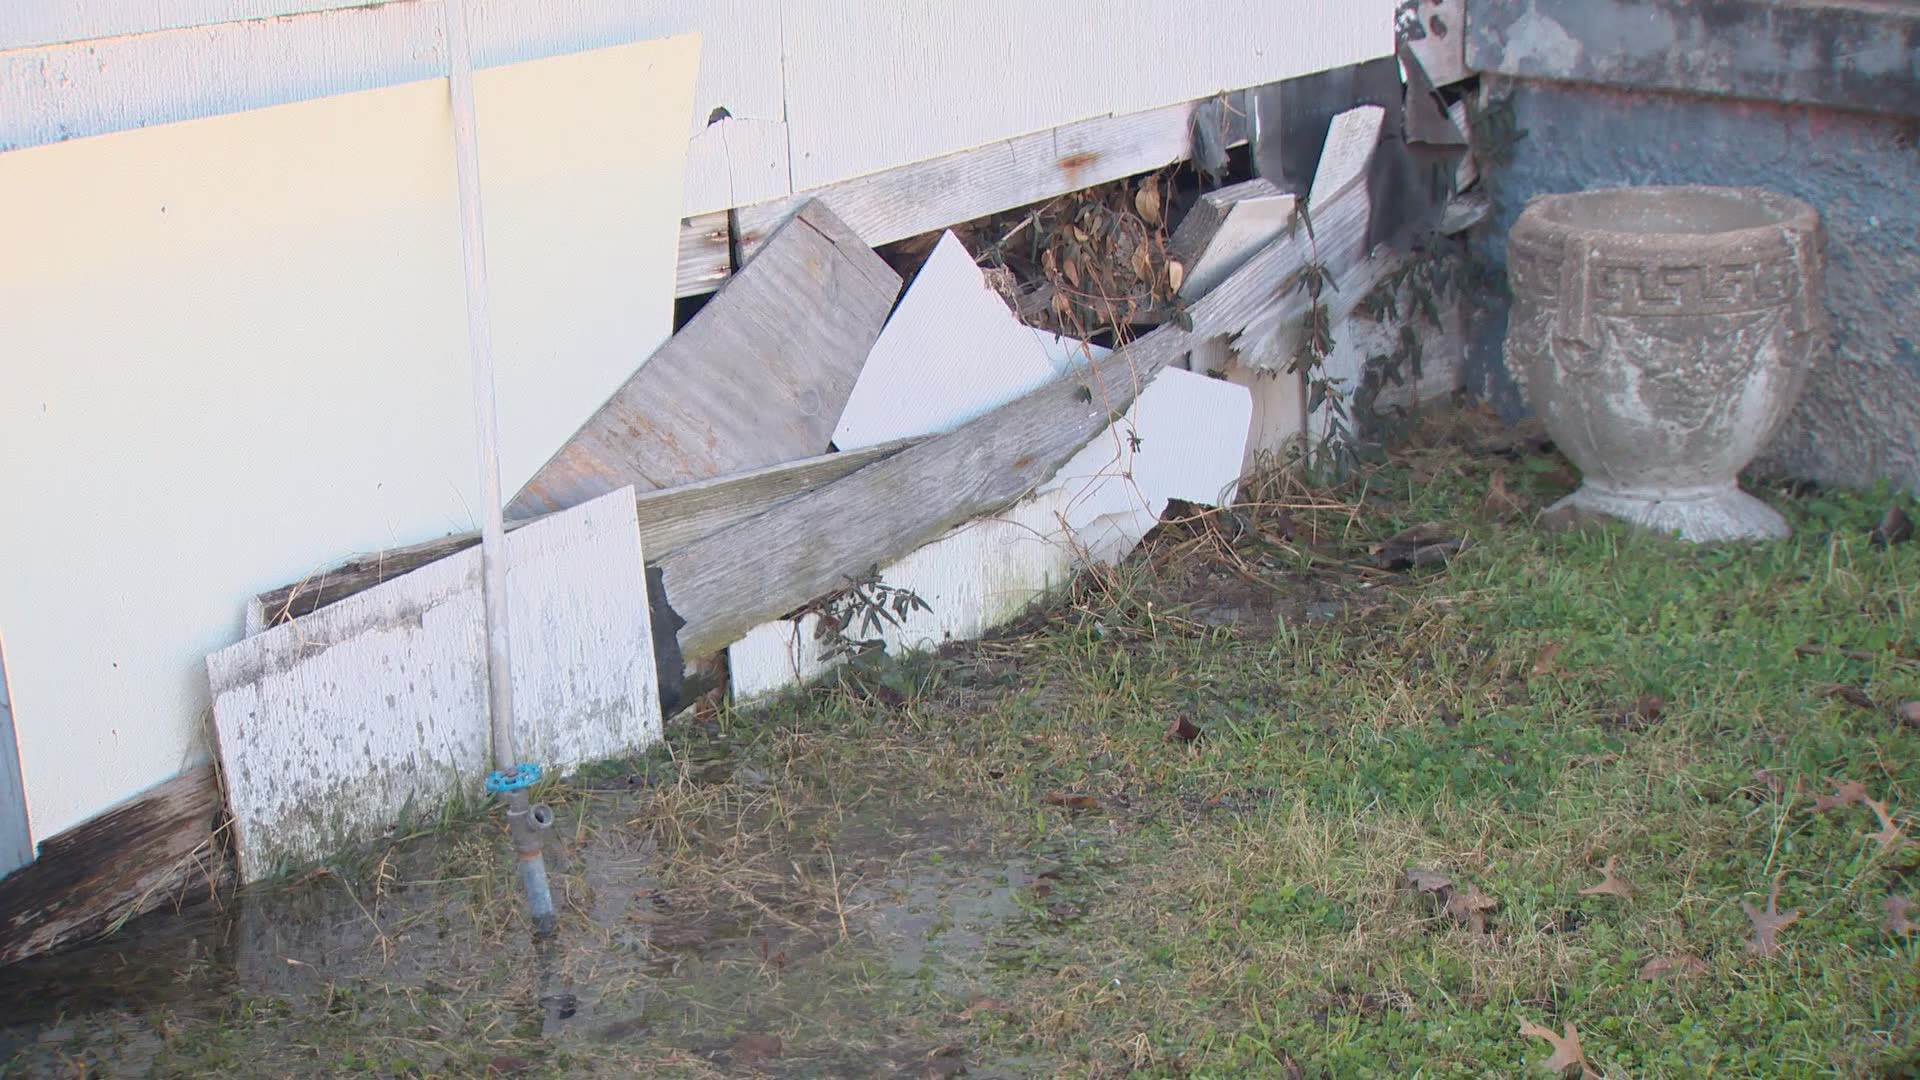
x=1662 y=334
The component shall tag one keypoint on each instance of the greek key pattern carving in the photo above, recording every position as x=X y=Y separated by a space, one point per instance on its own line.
x=1712 y=289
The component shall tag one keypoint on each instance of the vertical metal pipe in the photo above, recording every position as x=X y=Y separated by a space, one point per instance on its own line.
x=525 y=822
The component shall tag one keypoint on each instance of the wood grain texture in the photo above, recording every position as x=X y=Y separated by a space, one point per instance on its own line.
x=1224 y=229
x=152 y=851
x=757 y=378
x=1259 y=308
x=949 y=352
x=927 y=195
x=706 y=254
x=1441 y=41
x=668 y=520
x=1182 y=438
x=724 y=585
x=332 y=726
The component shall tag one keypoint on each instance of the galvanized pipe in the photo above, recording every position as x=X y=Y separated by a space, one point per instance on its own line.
x=525 y=822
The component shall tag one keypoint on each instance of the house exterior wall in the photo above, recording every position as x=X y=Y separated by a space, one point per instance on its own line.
x=787 y=96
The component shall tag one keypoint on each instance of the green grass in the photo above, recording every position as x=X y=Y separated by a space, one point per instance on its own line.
x=1235 y=905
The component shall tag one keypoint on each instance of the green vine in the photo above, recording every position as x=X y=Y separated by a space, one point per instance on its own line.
x=852 y=618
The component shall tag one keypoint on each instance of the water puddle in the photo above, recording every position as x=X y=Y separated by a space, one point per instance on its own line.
x=720 y=929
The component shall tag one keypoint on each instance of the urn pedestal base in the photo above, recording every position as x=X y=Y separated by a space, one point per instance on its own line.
x=1703 y=517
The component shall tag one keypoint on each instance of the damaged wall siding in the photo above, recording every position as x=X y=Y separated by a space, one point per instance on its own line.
x=237 y=350
x=812 y=94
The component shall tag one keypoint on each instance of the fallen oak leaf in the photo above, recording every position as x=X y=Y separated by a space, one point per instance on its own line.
x=1543 y=661
x=1470 y=908
x=1610 y=885
x=1771 y=782
x=1908 y=713
x=1852 y=695
x=1680 y=965
x=1499 y=501
x=1889 y=834
x=1567 y=1053
x=1182 y=729
x=1897 y=921
x=1767 y=924
x=1895 y=528
x=1428 y=881
x=1847 y=793
x=1645 y=712
x=1072 y=800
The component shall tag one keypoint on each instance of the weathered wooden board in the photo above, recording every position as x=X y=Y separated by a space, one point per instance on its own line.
x=951 y=351
x=706 y=254
x=668 y=519
x=757 y=378
x=1279 y=412
x=933 y=194
x=722 y=586
x=250 y=330
x=1182 y=438
x=872 y=84
x=333 y=726
x=1259 y=308
x=152 y=851
x=1224 y=229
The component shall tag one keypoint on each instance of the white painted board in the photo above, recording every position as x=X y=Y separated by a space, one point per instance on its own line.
x=950 y=351
x=1096 y=508
x=1344 y=160
x=873 y=84
x=1068 y=354
x=235 y=349
x=330 y=726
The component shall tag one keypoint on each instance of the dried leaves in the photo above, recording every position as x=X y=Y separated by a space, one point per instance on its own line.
x=1422 y=545
x=1678 y=965
x=1567 y=1054
x=1908 y=713
x=1610 y=884
x=1546 y=659
x=1898 y=920
x=1072 y=800
x=1469 y=908
x=1894 y=528
x=1767 y=924
x=1181 y=729
x=1849 y=793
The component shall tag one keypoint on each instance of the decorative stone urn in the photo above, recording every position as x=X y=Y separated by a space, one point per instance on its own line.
x=1662 y=334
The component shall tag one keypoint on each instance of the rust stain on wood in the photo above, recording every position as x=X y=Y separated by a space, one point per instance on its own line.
x=156 y=850
x=1074 y=164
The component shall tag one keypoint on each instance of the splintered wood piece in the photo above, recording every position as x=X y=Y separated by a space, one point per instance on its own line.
x=757 y=378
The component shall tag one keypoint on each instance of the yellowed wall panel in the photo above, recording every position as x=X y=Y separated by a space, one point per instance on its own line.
x=232 y=350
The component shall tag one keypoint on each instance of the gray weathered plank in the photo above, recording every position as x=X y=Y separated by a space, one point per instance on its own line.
x=1260 y=307
x=758 y=377
x=669 y=519
x=1224 y=229
x=329 y=728
x=927 y=195
x=727 y=583
x=706 y=254
x=153 y=850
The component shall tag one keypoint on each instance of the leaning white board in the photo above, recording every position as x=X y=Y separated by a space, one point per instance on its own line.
x=950 y=351
x=1183 y=438
x=235 y=351
x=333 y=724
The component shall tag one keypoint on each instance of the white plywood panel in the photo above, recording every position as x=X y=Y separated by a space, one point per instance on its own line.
x=951 y=351
x=1068 y=354
x=1183 y=438
x=332 y=725
x=200 y=58
x=235 y=350
x=873 y=84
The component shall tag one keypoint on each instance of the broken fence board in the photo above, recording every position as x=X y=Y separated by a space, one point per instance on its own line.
x=706 y=254
x=758 y=377
x=154 y=850
x=1183 y=438
x=668 y=519
x=1224 y=229
x=933 y=194
x=950 y=351
x=1260 y=307
x=332 y=727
